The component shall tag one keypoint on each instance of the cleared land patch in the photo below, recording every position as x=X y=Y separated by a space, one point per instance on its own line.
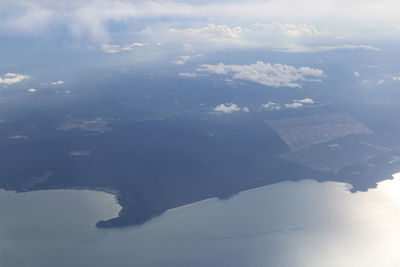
x=301 y=132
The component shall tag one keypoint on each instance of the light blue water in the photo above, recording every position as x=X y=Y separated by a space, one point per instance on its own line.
x=288 y=224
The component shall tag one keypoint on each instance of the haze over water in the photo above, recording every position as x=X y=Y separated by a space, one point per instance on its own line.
x=302 y=223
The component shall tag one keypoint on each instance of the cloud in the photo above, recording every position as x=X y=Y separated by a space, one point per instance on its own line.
x=299 y=103
x=356 y=73
x=294 y=105
x=58 y=82
x=80 y=153
x=187 y=74
x=291 y=30
x=32 y=90
x=18 y=136
x=110 y=48
x=271 y=105
x=230 y=108
x=396 y=78
x=313 y=49
x=212 y=31
x=276 y=75
x=181 y=60
x=93 y=16
x=380 y=82
x=12 y=78
x=304 y=101
x=35 y=18
x=187 y=47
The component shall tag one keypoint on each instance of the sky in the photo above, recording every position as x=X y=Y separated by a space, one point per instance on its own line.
x=325 y=24
x=193 y=39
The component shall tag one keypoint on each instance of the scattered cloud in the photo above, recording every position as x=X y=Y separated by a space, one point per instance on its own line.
x=299 y=103
x=32 y=90
x=294 y=105
x=12 y=78
x=396 y=78
x=276 y=75
x=181 y=60
x=230 y=108
x=356 y=73
x=112 y=48
x=188 y=74
x=271 y=105
x=304 y=101
x=380 y=82
x=58 y=82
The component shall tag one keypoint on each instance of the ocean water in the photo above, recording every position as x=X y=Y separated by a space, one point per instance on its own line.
x=303 y=223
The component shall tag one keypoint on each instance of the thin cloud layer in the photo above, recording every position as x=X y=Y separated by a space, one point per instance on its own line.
x=276 y=75
x=292 y=30
x=212 y=31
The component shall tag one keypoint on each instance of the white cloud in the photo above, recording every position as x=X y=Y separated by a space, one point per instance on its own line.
x=12 y=78
x=380 y=82
x=58 y=82
x=304 y=101
x=294 y=105
x=356 y=73
x=32 y=90
x=187 y=74
x=245 y=109
x=276 y=75
x=396 y=78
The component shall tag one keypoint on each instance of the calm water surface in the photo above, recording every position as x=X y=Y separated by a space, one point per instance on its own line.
x=289 y=224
